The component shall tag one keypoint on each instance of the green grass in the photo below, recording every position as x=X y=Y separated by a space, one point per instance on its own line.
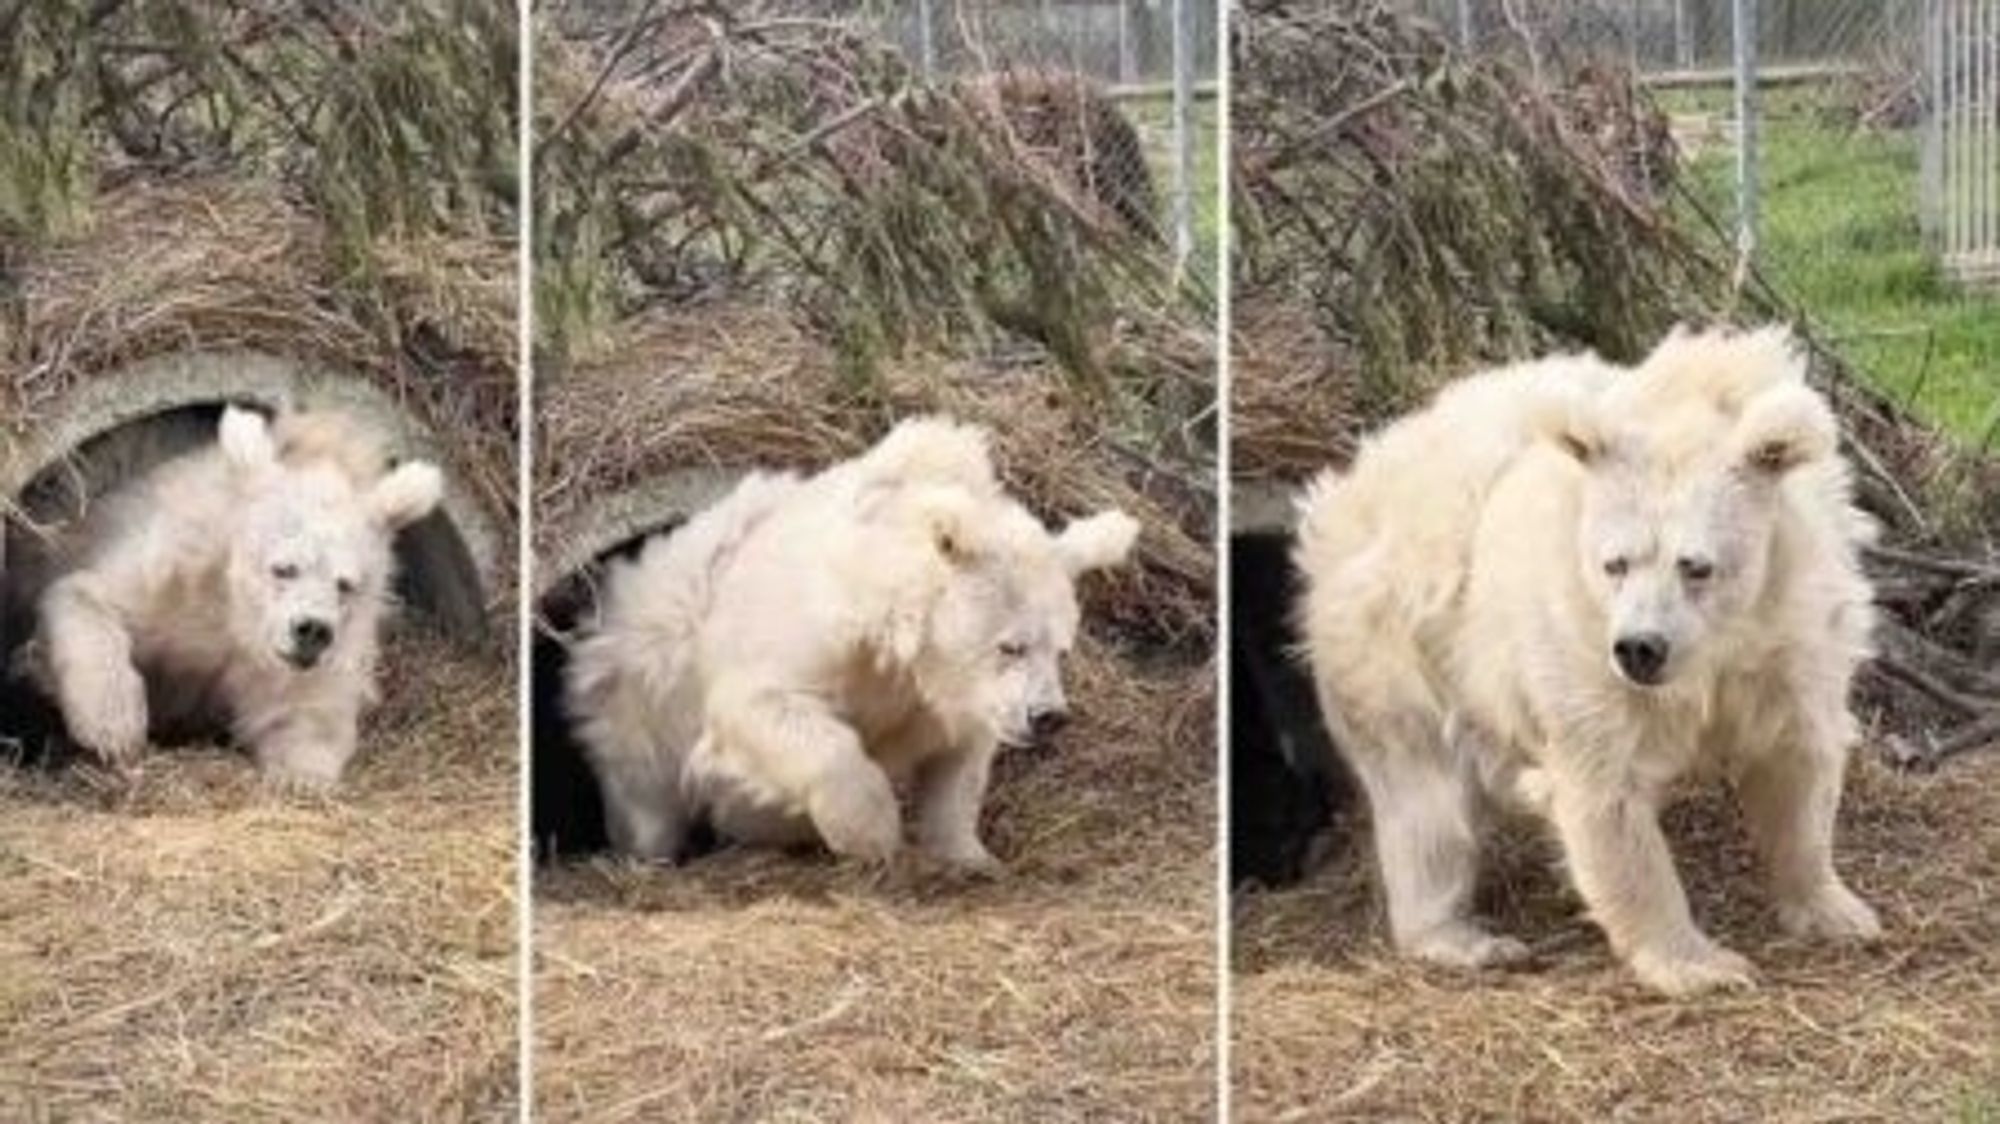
x=1980 y=1108
x=1154 y=119
x=1840 y=237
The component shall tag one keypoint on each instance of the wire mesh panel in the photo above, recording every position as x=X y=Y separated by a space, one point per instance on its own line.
x=1847 y=153
x=1962 y=183
x=1668 y=35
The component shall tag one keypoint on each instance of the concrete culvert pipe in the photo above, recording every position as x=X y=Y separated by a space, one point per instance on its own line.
x=567 y=814
x=120 y=424
x=1287 y=784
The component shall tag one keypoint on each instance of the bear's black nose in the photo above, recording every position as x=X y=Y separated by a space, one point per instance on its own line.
x=1642 y=658
x=310 y=637
x=1045 y=724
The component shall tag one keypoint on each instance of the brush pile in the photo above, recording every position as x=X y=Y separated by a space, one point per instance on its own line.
x=1407 y=214
x=688 y=148
x=762 y=237
x=325 y=182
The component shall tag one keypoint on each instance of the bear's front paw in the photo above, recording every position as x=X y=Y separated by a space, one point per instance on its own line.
x=1833 y=913
x=856 y=815
x=111 y=723
x=967 y=856
x=290 y=779
x=1705 y=966
x=1461 y=944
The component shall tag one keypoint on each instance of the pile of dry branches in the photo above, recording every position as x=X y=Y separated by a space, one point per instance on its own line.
x=1426 y=212
x=694 y=147
x=1408 y=214
x=735 y=385
x=326 y=182
x=762 y=237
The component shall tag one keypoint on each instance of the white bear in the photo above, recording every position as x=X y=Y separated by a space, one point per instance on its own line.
x=778 y=664
x=1565 y=585
x=243 y=582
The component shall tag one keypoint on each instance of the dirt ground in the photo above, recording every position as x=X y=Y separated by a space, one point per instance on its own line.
x=191 y=946
x=783 y=987
x=1329 y=1026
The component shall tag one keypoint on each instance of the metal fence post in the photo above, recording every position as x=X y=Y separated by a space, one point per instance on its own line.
x=1126 y=67
x=1183 y=13
x=1744 y=13
x=1683 y=46
x=926 y=43
x=1465 y=24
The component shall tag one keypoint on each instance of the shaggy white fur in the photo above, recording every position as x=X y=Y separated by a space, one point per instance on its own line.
x=246 y=582
x=1564 y=586
x=780 y=662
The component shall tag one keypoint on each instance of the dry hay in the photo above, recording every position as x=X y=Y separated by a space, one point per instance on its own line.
x=221 y=263
x=190 y=946
x=753 y=985
x=1329 y=1024
x=738 y=385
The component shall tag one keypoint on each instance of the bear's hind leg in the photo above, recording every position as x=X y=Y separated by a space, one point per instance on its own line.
x=644 y=812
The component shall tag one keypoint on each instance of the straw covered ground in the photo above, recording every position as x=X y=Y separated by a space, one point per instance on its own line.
x=190 y=946
x=760 y=986
x=1330 y=1025
x=1080 y=985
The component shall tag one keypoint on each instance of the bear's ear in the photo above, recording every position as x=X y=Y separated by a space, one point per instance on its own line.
x=406 y=495
x=1782 y=429
x=246 y=439
x=949 y=517
x=1104 y=539
x=1569 y=421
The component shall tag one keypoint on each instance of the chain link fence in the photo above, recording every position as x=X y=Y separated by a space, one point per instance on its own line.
x=1849 y=149
x=1156 y=60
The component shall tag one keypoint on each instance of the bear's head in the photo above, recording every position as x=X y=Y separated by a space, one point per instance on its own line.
x=1685 y=468
x=309 y=558
x=988 y=648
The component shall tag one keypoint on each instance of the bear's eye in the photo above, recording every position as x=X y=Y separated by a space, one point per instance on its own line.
x=1696 y=569
x=1616 y=567
x=1013 y=650
x=345 y=587
x=284 y=571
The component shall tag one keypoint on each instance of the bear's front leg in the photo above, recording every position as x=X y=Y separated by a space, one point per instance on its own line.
x=951 y=788
x=1789 y=797
x=307 y=749
x=1619 y=860
x=795 y=746
x=102 y=696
